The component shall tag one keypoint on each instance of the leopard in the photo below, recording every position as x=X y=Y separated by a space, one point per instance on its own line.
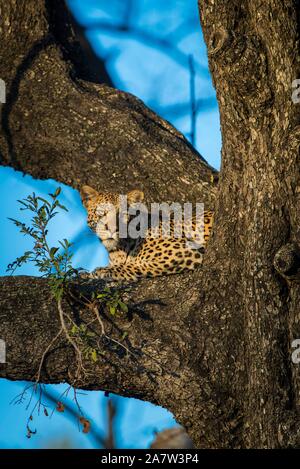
x=154 y=253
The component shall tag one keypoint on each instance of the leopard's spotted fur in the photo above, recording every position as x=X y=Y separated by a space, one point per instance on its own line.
x=148 y=256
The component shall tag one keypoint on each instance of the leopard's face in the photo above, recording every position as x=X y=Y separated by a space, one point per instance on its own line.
x=105 y=213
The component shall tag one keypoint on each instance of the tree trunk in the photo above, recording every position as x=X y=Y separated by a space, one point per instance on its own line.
x=213 y=346
x=253 y=50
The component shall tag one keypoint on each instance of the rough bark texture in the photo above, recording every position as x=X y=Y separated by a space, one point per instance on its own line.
x=214 y=345
x=159 y=335
x=253 y=51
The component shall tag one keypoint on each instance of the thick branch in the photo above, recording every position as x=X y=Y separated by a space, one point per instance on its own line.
x=157 y=368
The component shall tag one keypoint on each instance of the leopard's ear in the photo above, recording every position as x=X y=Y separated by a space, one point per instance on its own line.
x=87 y=193
x=135 y=196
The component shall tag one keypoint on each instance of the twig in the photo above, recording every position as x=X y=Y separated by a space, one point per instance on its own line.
x=45 y=353
x=20 y=397
x=96 y=311
x=65 y=392
x=150 y=39
x=80 y=366
x=94 y=308
x=70 y=411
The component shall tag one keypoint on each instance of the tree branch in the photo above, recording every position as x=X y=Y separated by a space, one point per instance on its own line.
x=158 y=369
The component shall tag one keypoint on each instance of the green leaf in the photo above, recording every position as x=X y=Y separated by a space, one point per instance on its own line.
x=57 y=192
x=102 y=295
x=44 y=201
x=62 y=206
x=123 y=306
x=53 y=251
x=74 y=330
x=94 y=356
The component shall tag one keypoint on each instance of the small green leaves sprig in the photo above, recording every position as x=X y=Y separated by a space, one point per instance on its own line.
x=85 y=336
x=54 y=262
x=112 y=300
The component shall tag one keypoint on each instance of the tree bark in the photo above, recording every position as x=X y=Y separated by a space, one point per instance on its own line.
x=213 y=346
x=253 y=50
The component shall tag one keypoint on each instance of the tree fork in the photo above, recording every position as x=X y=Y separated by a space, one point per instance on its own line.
x=221 y=335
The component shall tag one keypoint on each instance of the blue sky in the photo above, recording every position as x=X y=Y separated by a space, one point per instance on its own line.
x=161 y=82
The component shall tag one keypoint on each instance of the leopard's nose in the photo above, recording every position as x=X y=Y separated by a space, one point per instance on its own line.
x=111 y=234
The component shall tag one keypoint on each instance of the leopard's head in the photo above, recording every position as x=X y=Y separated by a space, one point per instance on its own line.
x=105 y=210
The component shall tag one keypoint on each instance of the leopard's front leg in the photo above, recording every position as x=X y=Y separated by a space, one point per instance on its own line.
x=117 y=272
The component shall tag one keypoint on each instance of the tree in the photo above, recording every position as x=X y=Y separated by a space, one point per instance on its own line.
x=214 y=346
